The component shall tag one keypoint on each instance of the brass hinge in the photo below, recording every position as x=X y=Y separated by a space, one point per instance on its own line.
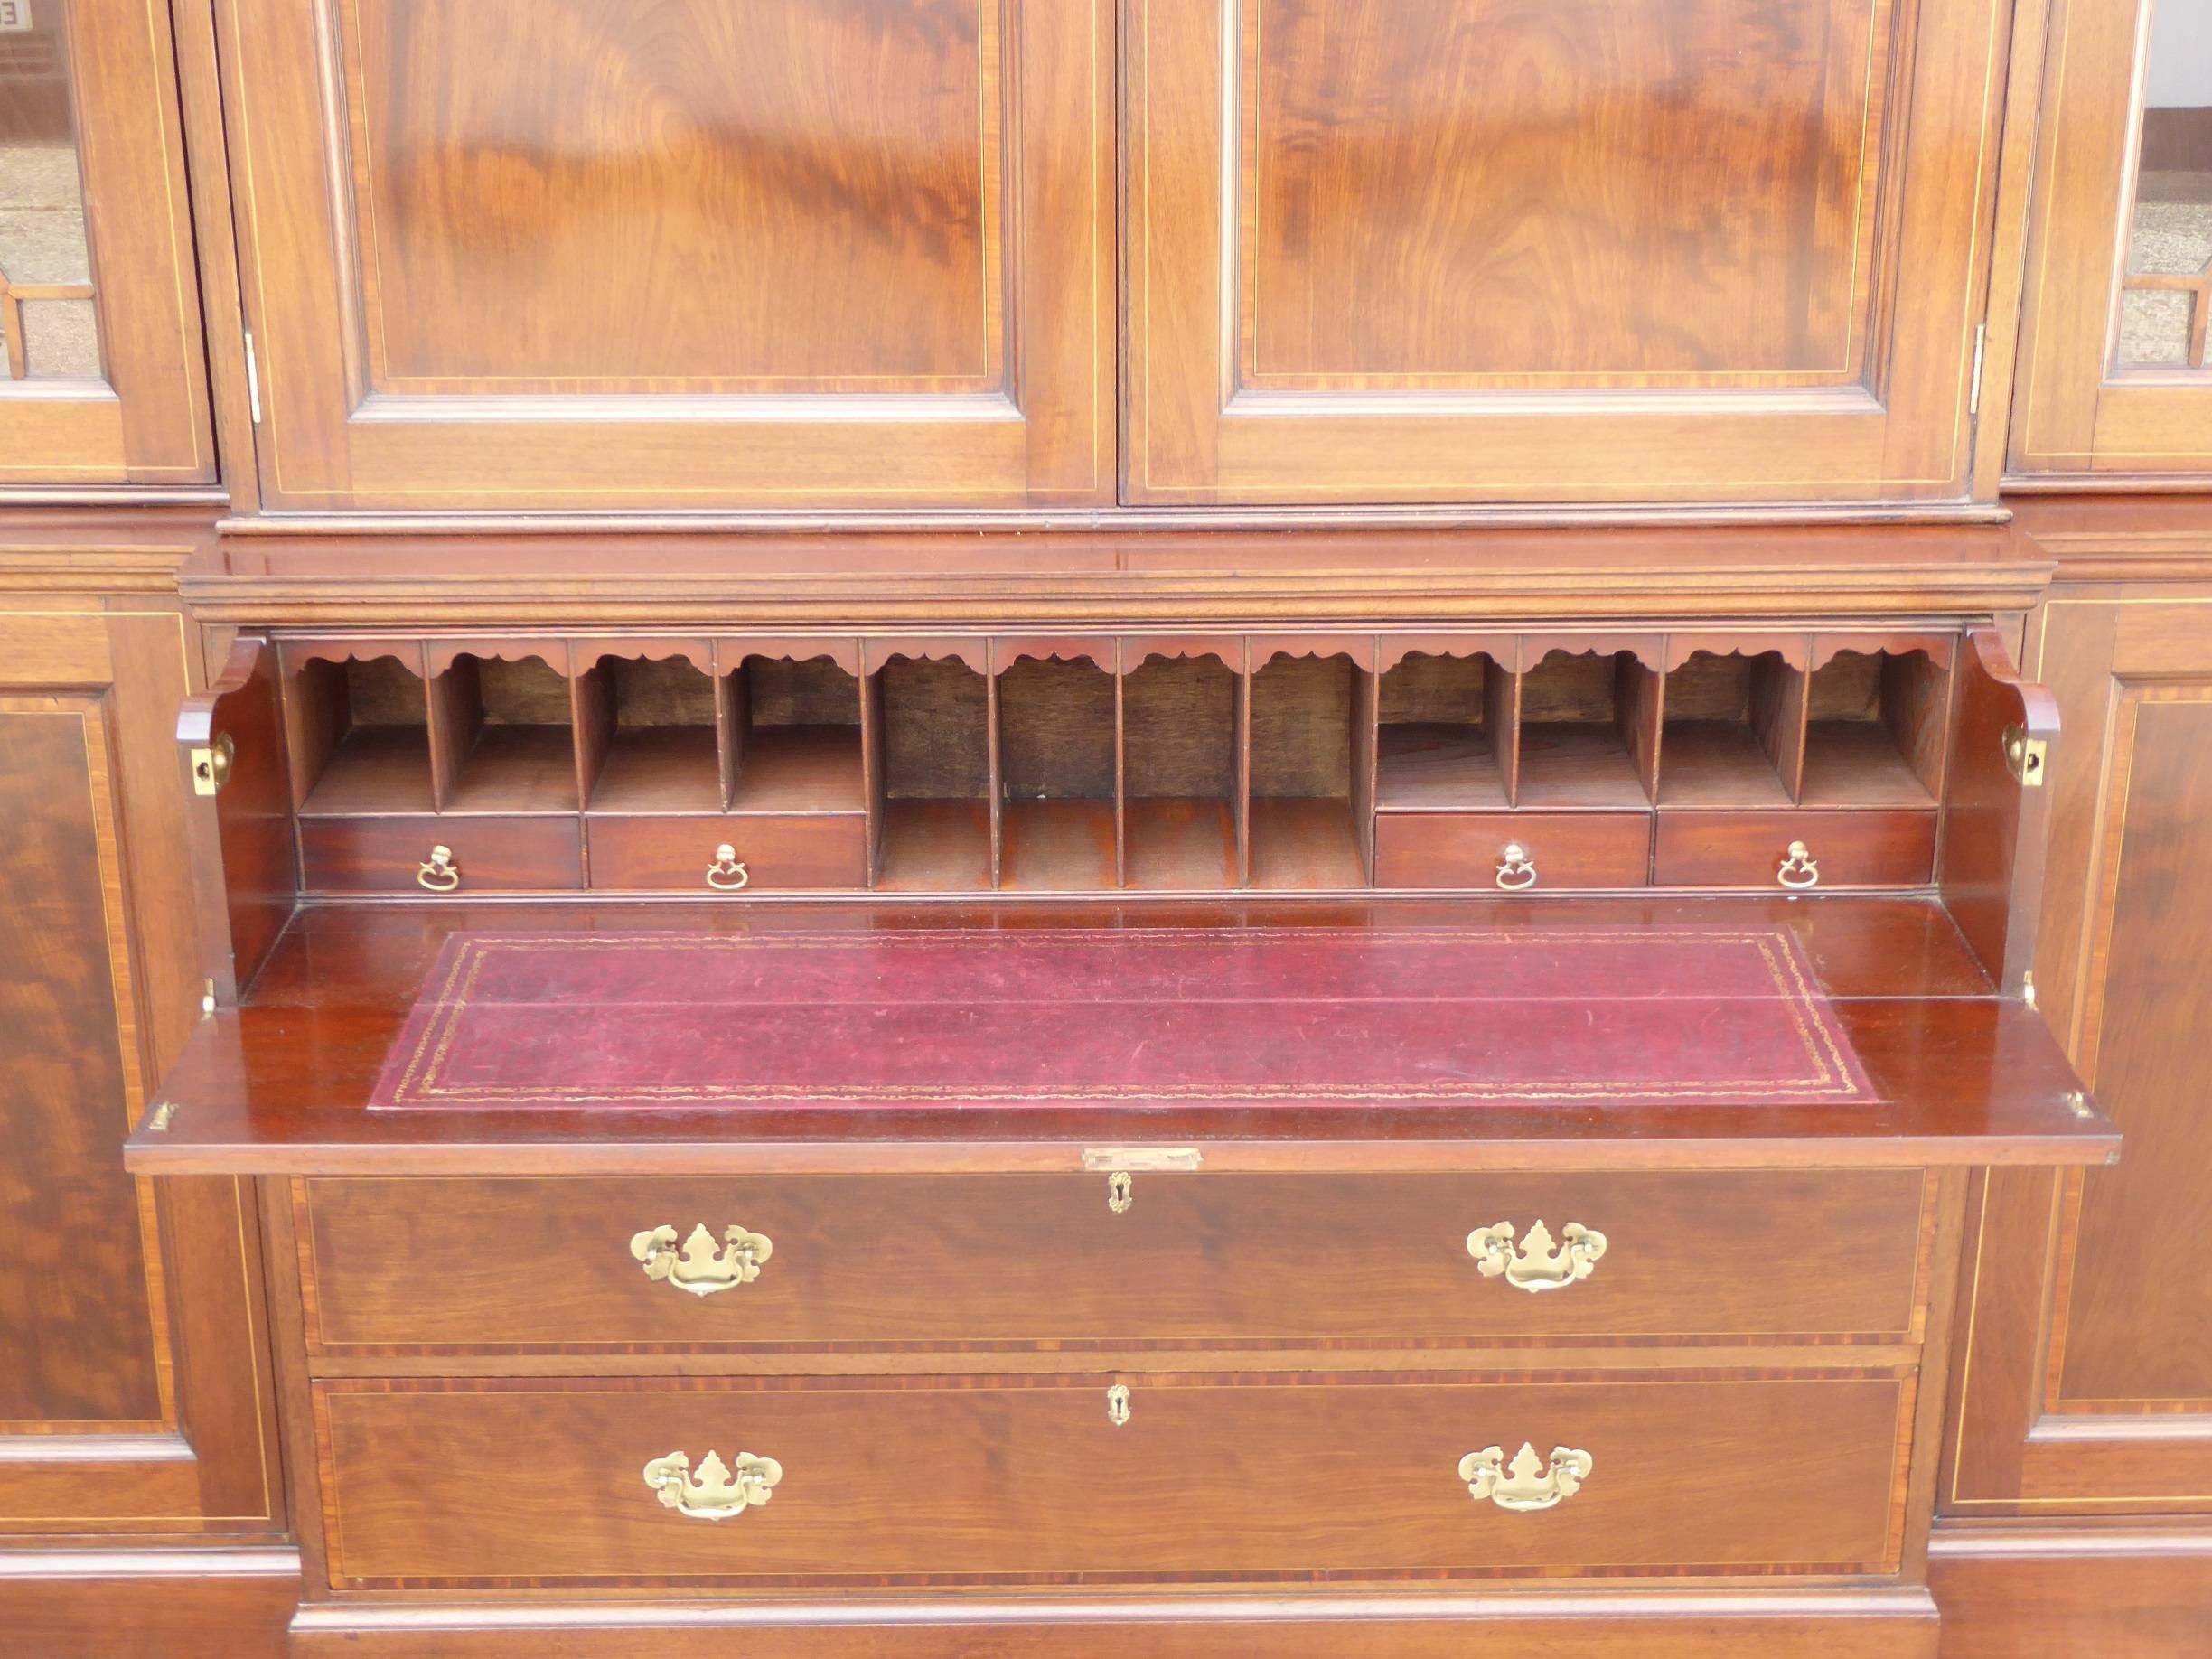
x=165 y=1114
x=1973 y=394
x=253 y=380
x=2024 y=757
x=207 y=999
x=2028 y=990
x=210 y=766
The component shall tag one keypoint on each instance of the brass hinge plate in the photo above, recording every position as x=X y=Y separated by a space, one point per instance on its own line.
x=1132 y=1159
x=163 y=1114
x=2025 y=756
x=210 y=765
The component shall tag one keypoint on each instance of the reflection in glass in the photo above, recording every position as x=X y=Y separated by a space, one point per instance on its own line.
x=2166 y=299
x=48 y=323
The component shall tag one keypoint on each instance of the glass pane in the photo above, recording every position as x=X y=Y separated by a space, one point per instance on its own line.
x=46 y=314
x=2168 y=281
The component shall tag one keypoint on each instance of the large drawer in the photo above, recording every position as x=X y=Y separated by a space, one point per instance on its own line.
x=1022 y=1478
x=1193 y=1259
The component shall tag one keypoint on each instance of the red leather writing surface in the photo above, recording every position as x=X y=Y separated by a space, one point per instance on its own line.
x=1310 y=1015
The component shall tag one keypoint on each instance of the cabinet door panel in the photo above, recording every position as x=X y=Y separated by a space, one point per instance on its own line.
x=103 y=376
x=133 y=1395
x=783 y=254
x=1495 y=250
x=2114 y=377
x=2088 y=1373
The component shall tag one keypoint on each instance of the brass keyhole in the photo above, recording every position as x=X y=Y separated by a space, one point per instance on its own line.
x=1117 y=1404
x=1119 y=1192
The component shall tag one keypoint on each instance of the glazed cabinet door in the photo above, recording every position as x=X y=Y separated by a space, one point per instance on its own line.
x=2087 y=1383
x=2112 y=373
x=103 y=375
x=134 y=1392
x=1557 y=250
x=633 y=254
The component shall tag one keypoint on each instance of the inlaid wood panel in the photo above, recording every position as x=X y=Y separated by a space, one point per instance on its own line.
x=134 y=1395
x=2110 y=376
x=1450 y=249
x=2088 y=1375
x=1443 y=192
x=598 y=224
x=103 y=375
x=1027 y=1479
x=77 y=1273
x=779 y=255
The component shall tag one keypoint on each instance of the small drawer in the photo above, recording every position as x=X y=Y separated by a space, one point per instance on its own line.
x=1188 y=1259
x=1750 y=849
x=1467 y=849
x=769 y=853
x=397 y=854
x=1193 y=1477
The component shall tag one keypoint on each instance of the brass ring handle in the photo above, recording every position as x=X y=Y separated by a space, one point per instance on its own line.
x=438 y=872
x=717 y=1492
x=1535 y=1264
x=726 y=875
x=1516 y=870
x=1800 y=868
x=698 y=1265
x=1532 y=1482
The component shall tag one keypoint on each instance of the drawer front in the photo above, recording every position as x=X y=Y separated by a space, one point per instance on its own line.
x=1464 y=850
x=1194 y=1260
x=1019 y=1477
x=386 y=854
x=1748 y=850
x=778 y=854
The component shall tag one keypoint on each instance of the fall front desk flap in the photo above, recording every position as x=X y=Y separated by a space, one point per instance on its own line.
x=1387 y=1017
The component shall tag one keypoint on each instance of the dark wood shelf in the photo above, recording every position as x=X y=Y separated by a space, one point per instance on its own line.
x=1313 y=844
x=935 y=846
x=1717 y=764
x=1572 y=763
x=656 y=769
x=518 y=769
x=800 y=769
x=1180 y=845
x=1437 y=766
x=375 y=770
x=1057 y=846
x=1857 y=763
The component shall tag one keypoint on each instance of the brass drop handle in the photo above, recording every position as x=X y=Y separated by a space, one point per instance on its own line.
x=717 y=1492
x=698 y=1265
x=1532 y=1482
x=726 y=875
x=1800 y=868
x=1516 y=868
x=1535 y=1264
x=438 y=872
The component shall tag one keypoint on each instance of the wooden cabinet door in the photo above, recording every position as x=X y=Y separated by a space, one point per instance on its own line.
x=103 y=375
x=2112 y=374
x=134 y=1389
x=1557 y=250
x=2087 y=1383
x=640 y=253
